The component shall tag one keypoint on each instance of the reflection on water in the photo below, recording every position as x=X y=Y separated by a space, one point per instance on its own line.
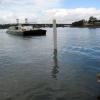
x=55 y=69
x=30 y=71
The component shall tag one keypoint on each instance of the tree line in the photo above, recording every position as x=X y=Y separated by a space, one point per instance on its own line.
x=93 y=21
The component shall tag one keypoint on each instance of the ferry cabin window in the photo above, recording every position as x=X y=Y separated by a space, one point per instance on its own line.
x=16 y=28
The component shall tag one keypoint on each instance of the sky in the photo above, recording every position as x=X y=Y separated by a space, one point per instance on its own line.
x=44 y=11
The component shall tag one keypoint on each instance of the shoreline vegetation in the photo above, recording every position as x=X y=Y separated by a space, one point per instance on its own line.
x=93 y=22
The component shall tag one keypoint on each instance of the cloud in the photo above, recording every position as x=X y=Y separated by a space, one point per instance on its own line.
x=69 y=15
x=42 y=11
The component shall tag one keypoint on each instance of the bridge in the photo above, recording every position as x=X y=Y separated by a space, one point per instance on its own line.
x=3 y=26
x=48 y=25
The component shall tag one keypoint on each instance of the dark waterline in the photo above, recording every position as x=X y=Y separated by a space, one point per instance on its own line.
x=30 y=70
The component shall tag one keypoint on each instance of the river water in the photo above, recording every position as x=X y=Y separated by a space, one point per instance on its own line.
x=30 y=70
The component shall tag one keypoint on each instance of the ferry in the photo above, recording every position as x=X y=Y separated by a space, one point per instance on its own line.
x=26 y=31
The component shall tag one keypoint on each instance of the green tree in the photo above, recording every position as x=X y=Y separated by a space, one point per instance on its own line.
x=92 y=20
x=78 y=23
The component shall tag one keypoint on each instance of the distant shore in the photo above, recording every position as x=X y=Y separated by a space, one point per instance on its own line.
x=93 y=22
x=87 y=26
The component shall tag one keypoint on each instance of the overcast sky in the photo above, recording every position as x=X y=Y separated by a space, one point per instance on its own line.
x=43 y=11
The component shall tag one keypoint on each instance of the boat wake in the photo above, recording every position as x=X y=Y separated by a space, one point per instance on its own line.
x=91 y=52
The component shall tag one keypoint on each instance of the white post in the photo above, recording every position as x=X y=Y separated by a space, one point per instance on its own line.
x=55 y=35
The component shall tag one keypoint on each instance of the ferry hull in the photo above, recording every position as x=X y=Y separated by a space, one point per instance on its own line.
x=29 y=32
x=34 y=32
